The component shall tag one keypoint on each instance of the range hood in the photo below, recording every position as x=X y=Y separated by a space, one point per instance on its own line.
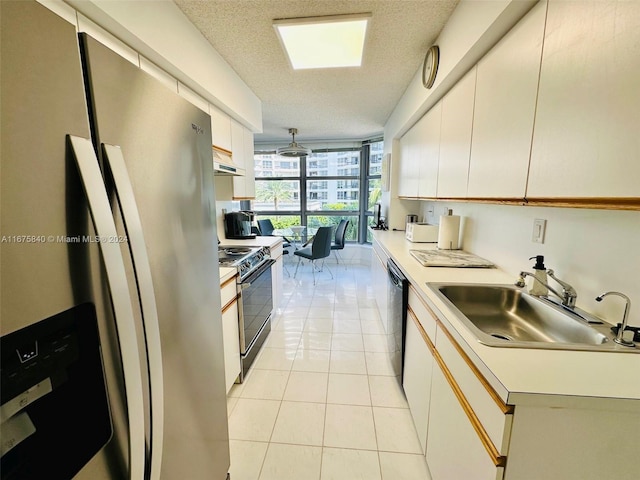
x=223 y=164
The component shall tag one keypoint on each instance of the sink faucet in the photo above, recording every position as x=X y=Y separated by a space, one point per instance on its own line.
x=568 y=295
x=619 y=340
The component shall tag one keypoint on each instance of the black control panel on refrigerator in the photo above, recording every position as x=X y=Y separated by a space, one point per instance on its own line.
x=54 y=413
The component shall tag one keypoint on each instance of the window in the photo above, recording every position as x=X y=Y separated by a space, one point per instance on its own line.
x=321 y=189
x=277 y=195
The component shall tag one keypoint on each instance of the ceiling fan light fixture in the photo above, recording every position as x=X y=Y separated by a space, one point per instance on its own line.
x=293 y=149
x=323 y=42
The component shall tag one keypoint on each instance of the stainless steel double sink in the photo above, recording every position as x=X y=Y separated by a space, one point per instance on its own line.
x=507 y=316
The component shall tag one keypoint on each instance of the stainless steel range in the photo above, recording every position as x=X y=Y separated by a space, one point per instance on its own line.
x=255 y=297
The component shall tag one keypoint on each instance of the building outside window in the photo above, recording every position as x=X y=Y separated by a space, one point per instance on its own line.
x=320 y=189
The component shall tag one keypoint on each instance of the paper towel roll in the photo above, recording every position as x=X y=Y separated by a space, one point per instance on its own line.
x=449 y=232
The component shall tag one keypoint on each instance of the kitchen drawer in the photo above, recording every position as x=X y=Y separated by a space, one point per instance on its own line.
x=228 y=291
x=423 y=313
x=494 y=415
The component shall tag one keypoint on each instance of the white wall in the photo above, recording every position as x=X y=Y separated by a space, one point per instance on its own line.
x=593 y=250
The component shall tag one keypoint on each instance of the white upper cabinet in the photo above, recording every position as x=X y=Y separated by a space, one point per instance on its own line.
x=192 y=97
x=220 y=128
x=244 y=188
x=586 y=141
x=419 y=147
x=505 y=108
x=159 y=74
x=455 y=137
x=428 y=151
x=237 y=144
x=409 y=167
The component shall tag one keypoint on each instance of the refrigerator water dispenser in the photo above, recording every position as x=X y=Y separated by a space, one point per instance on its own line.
x=55 y=413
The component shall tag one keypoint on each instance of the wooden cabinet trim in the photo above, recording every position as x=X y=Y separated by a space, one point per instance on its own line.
x=604 y=203
x=600 y=203
x=228 y=281
x=230 y=303
x=506 y=408
x=222 y=150
x=421 y=329
x=497 y=459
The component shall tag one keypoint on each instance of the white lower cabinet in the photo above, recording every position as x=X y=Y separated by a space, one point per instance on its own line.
x=469 y=433
x=416 y=381
x=277 y=276
x=230 y=332
x=462 y=425
x=454 y=449
x=379 y=281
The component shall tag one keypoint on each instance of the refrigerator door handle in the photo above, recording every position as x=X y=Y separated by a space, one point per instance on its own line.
x=103 y=222
x=114 y=160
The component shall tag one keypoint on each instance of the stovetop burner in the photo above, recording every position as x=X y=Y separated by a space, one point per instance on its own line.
x=235 y=251
x=244 y=259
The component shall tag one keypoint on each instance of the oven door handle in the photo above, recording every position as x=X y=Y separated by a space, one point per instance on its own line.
x=246 y=283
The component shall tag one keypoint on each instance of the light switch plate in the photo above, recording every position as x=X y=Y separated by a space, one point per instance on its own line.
x=539 y=227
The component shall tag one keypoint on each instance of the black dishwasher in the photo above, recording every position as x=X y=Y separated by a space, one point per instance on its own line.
x=398 y=293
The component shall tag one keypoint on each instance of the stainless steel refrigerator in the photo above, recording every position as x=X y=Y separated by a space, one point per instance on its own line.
x=107 y=219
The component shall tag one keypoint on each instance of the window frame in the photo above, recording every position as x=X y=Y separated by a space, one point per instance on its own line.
x=364 y=178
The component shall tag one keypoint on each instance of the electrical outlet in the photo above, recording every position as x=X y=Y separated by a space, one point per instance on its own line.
x=539 y=227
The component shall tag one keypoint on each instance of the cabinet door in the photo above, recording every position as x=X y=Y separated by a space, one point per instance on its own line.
x=379 y=281
x=193 y=98
x=244 y=188
x=277 y=277
x=237 y=144
x=586 y=141
x=231 y=341
x=428 y=151
x=220 y=128
x=454 y=450
x=455 y=138
x=416 y=380
x=409 y=168
x=505 y=105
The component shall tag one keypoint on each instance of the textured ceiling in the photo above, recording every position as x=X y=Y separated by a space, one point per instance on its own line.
x=336 y=103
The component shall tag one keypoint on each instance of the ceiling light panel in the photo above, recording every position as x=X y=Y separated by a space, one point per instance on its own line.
x=323 y=42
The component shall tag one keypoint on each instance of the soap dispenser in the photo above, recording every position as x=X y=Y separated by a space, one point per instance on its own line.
x=538 y=286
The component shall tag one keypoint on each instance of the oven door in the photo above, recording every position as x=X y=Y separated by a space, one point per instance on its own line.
x=256 y=305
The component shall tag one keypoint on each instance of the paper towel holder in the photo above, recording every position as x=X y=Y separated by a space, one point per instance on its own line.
x=449 y=231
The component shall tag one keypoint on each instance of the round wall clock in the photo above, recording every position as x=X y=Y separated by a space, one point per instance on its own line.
x=430 y=66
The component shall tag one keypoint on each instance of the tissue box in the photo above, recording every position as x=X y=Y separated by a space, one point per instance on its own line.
x=421 y=232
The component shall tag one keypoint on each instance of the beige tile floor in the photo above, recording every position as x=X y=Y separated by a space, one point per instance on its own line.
x=321 y=401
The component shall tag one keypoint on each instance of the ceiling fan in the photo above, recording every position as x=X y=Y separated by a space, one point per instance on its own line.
x=293 y=149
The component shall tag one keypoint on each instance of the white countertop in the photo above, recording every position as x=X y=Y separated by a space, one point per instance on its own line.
x=521 y=376
x=226 y=273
